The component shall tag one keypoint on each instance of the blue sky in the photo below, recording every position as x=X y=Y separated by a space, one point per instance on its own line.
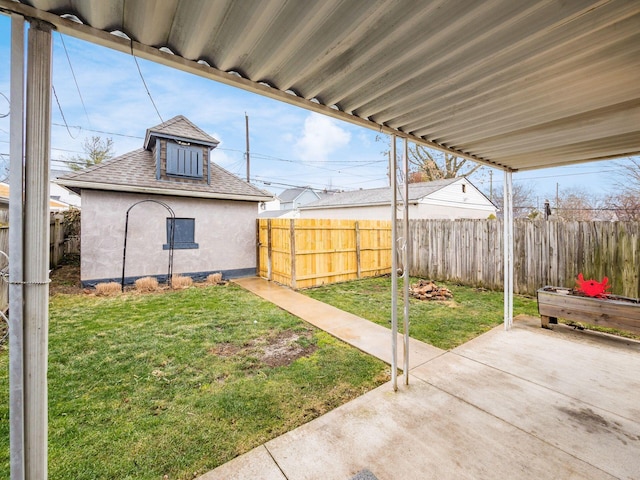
x=289 y=145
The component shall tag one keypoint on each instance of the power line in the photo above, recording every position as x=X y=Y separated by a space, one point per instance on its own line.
x=98 y=131
x=74 y=78
x=145 y=84
x=4 y=115
x=62 y=113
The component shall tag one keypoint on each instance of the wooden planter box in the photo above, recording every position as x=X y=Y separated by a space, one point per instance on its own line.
x=621 y=313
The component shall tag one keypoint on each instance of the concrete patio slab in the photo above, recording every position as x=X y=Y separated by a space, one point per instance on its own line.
x=598 y=437
x=595 y=369
x=524 y=404
x=257 y=464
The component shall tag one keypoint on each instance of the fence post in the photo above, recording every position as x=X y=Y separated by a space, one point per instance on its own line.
x=269 y=251
x=292 y=231
x=54 y=238
x=358 y=260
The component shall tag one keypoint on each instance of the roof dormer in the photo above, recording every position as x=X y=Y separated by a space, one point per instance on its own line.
x=181 y=151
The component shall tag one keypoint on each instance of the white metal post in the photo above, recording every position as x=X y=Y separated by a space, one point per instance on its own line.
x=16 y=184
x=394 y=263
x=36 y=248
x=508 y=249
x=405 y=258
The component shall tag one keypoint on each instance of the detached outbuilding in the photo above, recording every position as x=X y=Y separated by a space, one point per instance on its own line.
x=450 y=198
x=171 y=177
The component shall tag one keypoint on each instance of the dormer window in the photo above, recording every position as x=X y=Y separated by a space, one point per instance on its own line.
x=184 y=160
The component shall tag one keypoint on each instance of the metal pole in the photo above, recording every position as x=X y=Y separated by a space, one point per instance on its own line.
x=36 y=250
x=246 y=125
x=394 y=265
x=16 y=229
x=124 y=249
x=405 y=258
x=508 y=249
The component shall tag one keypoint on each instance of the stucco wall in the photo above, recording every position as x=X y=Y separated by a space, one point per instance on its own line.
x=225 y=231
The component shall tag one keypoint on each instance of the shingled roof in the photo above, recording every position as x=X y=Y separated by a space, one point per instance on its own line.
x=136 y=171
x=378 y=196
x=179 y=128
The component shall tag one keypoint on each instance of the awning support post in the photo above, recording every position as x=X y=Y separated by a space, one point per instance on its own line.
x=508 y=249
x=393 y=165
x=36 y=248
x=405 y=257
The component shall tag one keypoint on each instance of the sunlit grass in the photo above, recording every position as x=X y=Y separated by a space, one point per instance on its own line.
x=138 y=388
x=444 y=324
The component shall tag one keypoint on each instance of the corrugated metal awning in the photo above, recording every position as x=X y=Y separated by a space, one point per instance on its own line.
x=516 y=84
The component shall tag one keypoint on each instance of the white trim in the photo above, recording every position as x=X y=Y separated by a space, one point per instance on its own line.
x=160 y=191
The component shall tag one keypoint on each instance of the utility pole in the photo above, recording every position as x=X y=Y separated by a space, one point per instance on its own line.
x=246 y=123
x=491 y=185
x=558 y=199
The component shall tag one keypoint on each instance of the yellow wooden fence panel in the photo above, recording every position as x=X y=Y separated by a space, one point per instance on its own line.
x=303 y=253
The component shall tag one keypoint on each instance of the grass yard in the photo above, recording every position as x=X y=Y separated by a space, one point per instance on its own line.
x=444 y=324
x=177 y=383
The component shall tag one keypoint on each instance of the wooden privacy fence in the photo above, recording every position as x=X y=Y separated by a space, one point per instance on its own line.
x=545 y=253
x=307 y=252
x=59 y=245
x=303 y=253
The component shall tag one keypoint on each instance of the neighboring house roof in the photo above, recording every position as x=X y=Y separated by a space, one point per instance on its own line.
x=136 y=172
x=379 y=196
x=54 y=205
x=291 y=194
x=275 y=213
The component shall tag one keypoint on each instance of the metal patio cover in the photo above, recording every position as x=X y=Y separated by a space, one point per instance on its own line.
x=518 y=84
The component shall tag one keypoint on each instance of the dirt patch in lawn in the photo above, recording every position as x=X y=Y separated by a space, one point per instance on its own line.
x=277 y=351
x=66 y=279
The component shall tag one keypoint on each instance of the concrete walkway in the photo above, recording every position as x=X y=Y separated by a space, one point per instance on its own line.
x=528 y=403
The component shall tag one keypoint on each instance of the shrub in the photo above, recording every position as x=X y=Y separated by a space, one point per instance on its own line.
x=214 y=279
x=147 y=284
x=179 y=281
x=107 y=289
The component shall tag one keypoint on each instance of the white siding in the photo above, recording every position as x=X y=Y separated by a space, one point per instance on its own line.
x=471 y=200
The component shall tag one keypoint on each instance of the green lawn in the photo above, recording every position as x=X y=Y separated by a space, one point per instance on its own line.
x=442 y=324
x=142 y=386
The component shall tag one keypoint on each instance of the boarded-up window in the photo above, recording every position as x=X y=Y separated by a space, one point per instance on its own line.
x=184 y=161
x=183 y=235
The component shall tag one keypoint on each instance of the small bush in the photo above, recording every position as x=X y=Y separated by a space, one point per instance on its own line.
x=147 y=284
x=214 y=279
x=107 y=289
x=179 y=281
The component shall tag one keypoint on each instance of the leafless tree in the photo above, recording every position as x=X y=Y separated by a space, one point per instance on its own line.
x=96 y=151
x=577 y=205
x=427 y=164
x=624 y=206
x=625 y=203
x=523 y=200
x=629 y=178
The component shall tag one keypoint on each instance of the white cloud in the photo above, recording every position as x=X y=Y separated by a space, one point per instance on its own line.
x=320 y=138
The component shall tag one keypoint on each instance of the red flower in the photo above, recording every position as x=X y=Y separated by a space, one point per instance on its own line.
x=592 y=288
